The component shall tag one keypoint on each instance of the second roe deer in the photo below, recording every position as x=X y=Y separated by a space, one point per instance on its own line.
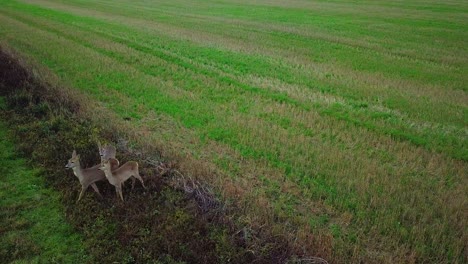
x=118 y=176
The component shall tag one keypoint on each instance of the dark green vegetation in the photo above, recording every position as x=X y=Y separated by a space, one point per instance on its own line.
x=32 y=226
x=340 y=124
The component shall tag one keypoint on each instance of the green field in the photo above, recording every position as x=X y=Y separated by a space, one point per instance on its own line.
x=343 y=125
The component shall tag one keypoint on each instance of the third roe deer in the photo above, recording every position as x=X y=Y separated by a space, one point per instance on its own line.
x=107 y=152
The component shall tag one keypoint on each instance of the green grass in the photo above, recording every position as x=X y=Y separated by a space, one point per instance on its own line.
x=33 y=228
x=353 y=112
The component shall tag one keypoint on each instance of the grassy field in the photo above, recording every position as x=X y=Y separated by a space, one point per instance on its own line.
x=32 y=222
x=341 y=124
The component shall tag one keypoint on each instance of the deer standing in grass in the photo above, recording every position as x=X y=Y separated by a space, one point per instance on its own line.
x=108 y=152
x=118 y=176
x=88 y=176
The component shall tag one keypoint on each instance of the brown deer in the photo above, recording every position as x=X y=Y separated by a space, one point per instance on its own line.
x=106 y=152
x=118 y=176
x=88 y=176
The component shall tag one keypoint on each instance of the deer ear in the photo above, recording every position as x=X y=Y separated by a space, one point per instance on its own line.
x=78 y=156
x=99 y=145
x=74 y=154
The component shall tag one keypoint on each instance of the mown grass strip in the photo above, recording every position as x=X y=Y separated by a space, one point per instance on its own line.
x=33 y=228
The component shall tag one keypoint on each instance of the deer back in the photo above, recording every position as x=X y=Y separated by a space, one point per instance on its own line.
x=94 y=174
x=126 y=171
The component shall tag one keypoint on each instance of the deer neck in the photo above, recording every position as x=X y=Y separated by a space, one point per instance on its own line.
x=78 y=171
x=110 y=177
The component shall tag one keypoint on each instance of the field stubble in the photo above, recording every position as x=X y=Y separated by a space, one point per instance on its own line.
x=351 y=142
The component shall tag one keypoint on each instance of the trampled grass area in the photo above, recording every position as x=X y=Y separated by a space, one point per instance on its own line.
x=33 y=228
x=342 y=124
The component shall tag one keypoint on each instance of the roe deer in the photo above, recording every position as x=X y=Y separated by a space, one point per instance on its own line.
x=118 y=176
x=87 y=176
x=107 y=152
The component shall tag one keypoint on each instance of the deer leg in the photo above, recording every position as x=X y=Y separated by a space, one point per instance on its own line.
x=119 y=191
x=95 y=188
x=137 y=175
x=133 y=182
x=121 y=195
x=83 y=189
